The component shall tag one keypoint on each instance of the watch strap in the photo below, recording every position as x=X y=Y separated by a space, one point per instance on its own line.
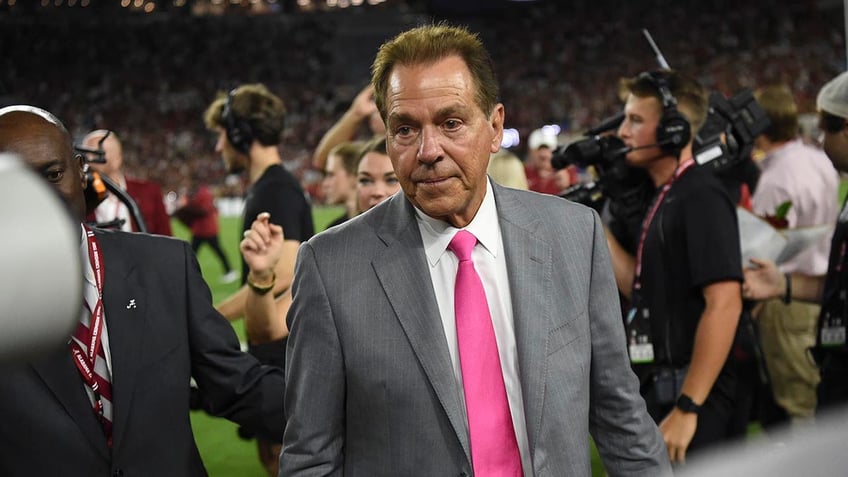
x=686 y=404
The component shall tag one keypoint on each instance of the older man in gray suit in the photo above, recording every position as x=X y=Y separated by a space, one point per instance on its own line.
x=383 y=375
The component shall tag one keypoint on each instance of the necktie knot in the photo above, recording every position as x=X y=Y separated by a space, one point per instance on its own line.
x=462 y=244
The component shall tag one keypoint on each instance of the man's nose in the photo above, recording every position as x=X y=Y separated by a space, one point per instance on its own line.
x=429 y=147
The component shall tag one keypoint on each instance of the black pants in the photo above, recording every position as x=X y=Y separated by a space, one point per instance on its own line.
x=832 y=391
x=196 y=242
x=715 y=420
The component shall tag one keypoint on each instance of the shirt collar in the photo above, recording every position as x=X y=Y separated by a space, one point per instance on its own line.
x=87 y=270
x=437 y=234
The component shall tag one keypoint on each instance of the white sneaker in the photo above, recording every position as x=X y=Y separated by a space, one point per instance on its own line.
x=229 y=277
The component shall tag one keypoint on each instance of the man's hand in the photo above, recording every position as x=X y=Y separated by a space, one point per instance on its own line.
x=677 y=429
x=262 y=247
x=763 y=281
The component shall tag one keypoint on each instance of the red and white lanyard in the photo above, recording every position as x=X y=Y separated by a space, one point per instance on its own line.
x=85 y=360
x=681 y=169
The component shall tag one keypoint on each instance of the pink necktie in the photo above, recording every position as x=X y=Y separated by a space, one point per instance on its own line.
x=494 y=450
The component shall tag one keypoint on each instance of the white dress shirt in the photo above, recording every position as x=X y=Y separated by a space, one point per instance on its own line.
x=490 y=263
x=85 y=318
x=113 y=209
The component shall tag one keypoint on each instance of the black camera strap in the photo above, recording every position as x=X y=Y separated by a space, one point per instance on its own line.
x=639 y=340
x=681 y=169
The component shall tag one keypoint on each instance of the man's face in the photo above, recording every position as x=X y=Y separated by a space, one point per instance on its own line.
x=375 y=180
x=233 y=160
x=541 y=159
x=836 y=147
x=337 y=185
x=835 y=143
x=439 y=140
x=639 y=129
x=112 y=154
x=47 y=150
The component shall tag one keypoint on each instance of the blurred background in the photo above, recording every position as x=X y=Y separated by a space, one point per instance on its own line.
x=147 y=69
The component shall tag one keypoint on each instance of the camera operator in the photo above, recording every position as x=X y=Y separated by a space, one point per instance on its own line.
x=541 y=176
x=684 y=281
x=146 y=194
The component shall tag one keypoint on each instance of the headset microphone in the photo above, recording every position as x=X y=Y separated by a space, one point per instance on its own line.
x=660 y=144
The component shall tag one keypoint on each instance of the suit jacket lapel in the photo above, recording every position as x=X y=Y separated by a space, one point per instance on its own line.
x=528 y=261
x=61 y=376
x=403 y=272
x=125 y=301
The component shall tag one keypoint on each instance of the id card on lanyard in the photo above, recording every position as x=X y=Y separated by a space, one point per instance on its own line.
x=637 y=325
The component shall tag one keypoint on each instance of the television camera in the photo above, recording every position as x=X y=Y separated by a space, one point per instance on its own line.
x=723 y=143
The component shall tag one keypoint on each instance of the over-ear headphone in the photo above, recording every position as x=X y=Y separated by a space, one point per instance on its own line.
x=673 y=129
x=238 y=130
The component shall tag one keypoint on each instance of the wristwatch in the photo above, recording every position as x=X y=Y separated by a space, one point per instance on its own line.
x=686 y=404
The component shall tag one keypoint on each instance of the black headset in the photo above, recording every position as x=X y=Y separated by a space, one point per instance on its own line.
x=238 y=130
x=673 y=129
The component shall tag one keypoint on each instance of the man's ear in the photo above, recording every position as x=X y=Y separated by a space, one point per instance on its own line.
x=79 y=159
x=497 y=123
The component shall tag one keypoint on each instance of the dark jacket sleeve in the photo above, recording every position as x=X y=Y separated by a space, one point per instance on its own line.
x=234 y=385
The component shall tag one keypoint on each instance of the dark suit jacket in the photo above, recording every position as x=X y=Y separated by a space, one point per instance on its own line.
x=162 y=330
x=370 y=386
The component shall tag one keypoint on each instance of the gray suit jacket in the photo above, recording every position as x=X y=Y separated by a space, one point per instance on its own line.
x=370 y=386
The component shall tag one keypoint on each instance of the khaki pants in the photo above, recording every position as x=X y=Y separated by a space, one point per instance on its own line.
x=786 y=332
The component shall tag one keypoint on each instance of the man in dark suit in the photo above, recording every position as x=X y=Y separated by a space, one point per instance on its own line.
x=124 y=411
x=383 y=378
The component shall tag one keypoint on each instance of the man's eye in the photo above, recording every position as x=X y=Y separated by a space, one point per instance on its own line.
x=54 y=175
x=451 y=124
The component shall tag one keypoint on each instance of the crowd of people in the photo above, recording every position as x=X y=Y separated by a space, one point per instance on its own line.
x=148 y=77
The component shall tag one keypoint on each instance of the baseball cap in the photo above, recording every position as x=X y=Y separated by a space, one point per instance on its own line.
x=542 y=137
x=833 y=97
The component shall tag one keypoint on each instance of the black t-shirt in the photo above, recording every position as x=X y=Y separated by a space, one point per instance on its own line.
x=342 y=219
x=277 y=192
x=692 y=242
